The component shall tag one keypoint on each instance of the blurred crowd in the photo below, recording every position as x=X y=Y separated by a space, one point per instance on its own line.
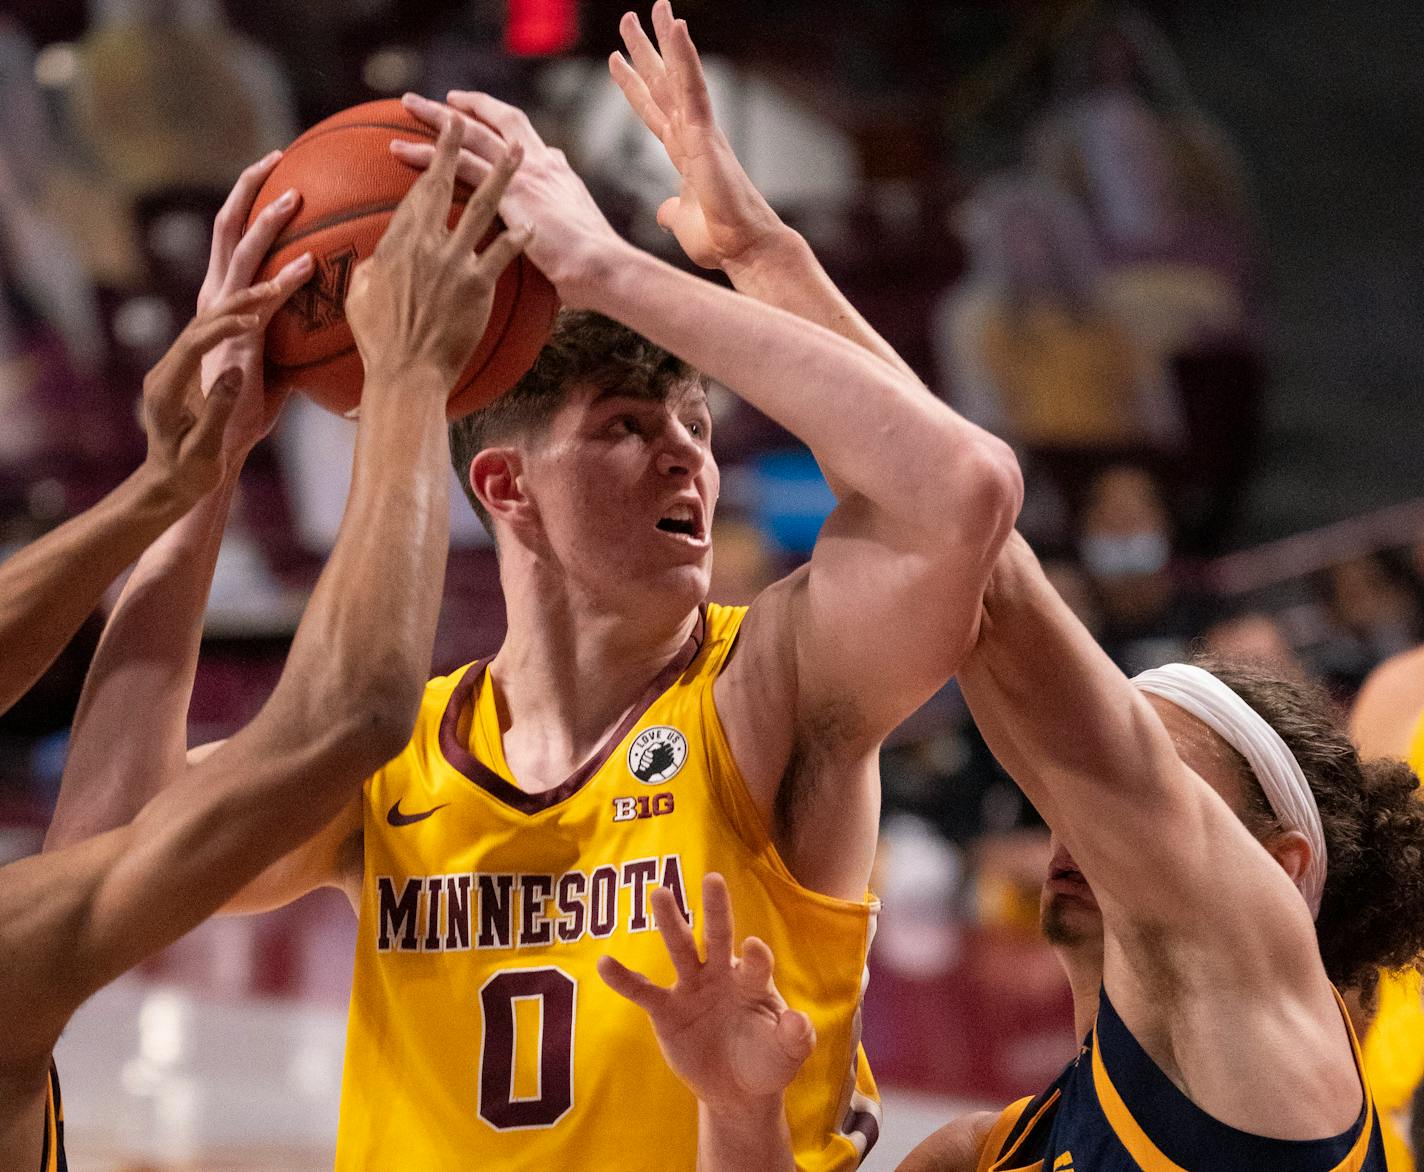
x=1091 y=291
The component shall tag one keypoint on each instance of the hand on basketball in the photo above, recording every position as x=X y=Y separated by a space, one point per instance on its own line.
x=718 y=216
x=232 y=264
x=422 y=299
x=573 y=240
x=187 y=452
x=723 y=1027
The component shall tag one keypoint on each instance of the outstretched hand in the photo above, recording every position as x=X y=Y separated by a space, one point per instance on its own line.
x=237 y=253
x=185 y=425
x=422 y=299
x=718 y=216
x=723 y=1028
x=574 y=246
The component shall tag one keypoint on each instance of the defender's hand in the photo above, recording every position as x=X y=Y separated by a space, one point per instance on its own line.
x=185 y=427
x=422 y=299
x=723 y=1027
x=232 y=264
x=718 y=216
x=574 y=244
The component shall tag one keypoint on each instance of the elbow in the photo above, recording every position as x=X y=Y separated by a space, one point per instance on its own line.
x=989 y=492
x=373 y=722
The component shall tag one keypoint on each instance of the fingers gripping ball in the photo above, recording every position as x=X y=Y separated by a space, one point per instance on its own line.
x=350 y=184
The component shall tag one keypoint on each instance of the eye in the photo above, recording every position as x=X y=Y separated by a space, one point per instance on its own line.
x=697 y=428
x=625 y=425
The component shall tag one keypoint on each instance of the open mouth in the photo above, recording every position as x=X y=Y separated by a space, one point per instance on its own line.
x=682 y=520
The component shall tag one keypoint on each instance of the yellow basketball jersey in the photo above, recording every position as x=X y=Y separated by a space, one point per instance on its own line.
x=1394 y=1046
x=480 y=1034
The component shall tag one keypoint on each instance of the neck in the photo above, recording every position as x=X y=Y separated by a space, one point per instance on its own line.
x=569 y=670
x=1084 y=965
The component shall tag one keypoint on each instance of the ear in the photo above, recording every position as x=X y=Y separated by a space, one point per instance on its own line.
x=496 y=477
x=1291 y=849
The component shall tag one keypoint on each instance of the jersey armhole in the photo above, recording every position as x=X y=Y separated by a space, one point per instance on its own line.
x=733 y=798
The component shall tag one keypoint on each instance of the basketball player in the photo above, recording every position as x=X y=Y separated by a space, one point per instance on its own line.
x=1388 y=721
x=73 y=919
x=1223 y=863
x=627 y=736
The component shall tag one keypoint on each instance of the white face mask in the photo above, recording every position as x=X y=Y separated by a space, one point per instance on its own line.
x=1125 y=555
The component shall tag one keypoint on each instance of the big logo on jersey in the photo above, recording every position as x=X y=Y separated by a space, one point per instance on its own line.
x=656 y=754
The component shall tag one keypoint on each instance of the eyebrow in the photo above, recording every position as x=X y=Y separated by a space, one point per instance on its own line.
x=697 y=398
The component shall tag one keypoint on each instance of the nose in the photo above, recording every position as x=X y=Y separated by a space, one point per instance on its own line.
x=680 y=453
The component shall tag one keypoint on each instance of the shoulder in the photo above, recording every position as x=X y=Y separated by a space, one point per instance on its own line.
x=957 y=1146
x=1389 y=705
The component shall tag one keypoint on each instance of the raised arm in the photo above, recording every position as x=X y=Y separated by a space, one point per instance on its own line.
x=74 y=919
x=836 y=656
x=718 y=216
x=1158 y=844
x=50 y=587
x=148 y=653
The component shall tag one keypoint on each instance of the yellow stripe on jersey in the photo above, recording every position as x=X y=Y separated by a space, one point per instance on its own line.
x=1150 y=1158
x=52 y=1153
x=480 y=1033
x=989 y=1155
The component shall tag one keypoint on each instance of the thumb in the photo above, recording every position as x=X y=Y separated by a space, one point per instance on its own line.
x=217 y=410
x=795 y=1035
x=667 y=212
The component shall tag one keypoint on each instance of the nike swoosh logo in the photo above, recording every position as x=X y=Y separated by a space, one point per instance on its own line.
x=396 y=818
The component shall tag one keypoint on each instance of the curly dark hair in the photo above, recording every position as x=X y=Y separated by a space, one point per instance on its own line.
x=1372 y=910
x=586 y=349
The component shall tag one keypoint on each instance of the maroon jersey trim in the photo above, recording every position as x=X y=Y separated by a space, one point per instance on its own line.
x=493 y=784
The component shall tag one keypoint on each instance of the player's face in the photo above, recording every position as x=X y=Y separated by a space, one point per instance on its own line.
x=625 y=486
x=1068 y=911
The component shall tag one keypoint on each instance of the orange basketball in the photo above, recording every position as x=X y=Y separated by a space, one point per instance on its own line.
x=350 y=184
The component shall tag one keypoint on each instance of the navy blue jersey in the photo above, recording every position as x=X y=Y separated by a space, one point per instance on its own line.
x=1113 y=1110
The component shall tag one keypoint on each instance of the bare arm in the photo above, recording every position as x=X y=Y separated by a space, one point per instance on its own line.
x=892 y=595
x=74 y=919
x=50 y=587
x=955 y=1147
x=718 y=216
x=1091 y=752
x=148 y=653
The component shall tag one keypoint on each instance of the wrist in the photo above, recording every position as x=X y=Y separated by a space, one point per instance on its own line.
x=593 y=280
x=406 y=385
x=774 y=251
x=153 y=492
x=750 y=1133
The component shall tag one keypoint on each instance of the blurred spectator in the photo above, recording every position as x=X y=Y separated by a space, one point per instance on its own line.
x=155 y=81
x=1373 y=612
x=1256 y=637
x=1030 y=343
x=1124 y=136
x=1151 y=612
x=1163 y=195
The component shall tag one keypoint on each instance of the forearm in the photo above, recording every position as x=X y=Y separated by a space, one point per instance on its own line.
x=369 y=628
x=755 y=1138
x=145 y=663
x=785 y=272
x=1061 y=717
x=873 y=428
x=51 y=586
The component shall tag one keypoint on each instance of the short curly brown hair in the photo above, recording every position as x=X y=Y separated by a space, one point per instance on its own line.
x=586 y=349
x=1372 y=910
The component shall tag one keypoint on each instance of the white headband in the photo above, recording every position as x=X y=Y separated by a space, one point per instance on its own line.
x=1201 y=694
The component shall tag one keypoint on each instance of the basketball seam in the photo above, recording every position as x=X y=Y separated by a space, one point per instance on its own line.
x=290 y=368
x=340 y=218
